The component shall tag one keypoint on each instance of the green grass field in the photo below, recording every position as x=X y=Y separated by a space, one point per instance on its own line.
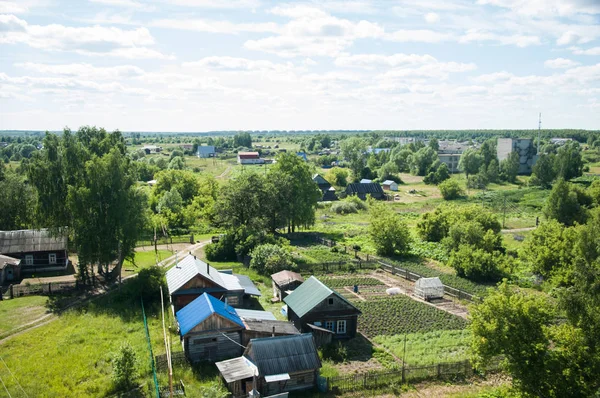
x=20 y=311
x=144 y=260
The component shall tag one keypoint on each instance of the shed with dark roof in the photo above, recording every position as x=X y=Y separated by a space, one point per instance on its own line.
x=316 y=304
x=284 y=282
x=363 y=189
x=281 y=364
x=38 y=250
x=210 y=330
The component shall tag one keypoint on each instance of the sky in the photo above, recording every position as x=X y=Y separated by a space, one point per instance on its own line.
x=202 y=65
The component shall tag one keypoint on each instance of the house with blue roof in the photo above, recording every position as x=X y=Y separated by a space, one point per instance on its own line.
x=210 y=330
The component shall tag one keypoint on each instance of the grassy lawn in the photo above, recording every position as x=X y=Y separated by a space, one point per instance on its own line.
x=17 y=312
x=144 y=260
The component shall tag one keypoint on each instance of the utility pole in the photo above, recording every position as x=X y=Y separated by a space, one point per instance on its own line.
x=504 y=212
x=167 y=345
x=539 y=134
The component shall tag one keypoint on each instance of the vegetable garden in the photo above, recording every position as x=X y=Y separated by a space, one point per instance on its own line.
x=350 y=281
x=400 y=314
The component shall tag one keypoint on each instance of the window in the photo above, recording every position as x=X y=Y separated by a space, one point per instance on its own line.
x=29 y=259
x=329 y=325
x=341 y=327
x=330 y=301
x=52 y=258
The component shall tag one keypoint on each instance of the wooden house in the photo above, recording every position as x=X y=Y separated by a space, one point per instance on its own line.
x=363 y=189
x=314 y=303
x=273 y=365
x=37 y=250
x=389 y=185
x=191 y=277
x=259 y=328
x=10 y=269
x=210 y=330
x=285 y=282
x=249 y=158
x=326 y=189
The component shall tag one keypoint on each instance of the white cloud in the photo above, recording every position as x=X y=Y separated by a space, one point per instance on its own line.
x=432 y=17
x=589 y=51
x=225 y=27
x=86 y=71
x=418 y=36
x=129 y=53
x=376 y=60
x=475 y=35
x=225 y=4
x=547 y=7
x=568 y=38
x=560 y=63
x=9 y=7
x=125 y=3
x=237 y=64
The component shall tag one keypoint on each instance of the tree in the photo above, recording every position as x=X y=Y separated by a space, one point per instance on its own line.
x=471 y=233
x=269 y=258
x=476 y=264
x=388 y=232
x=421 y=161
x=18 y=203
x=337 y=176
x=470 y=162
x=401 y=157
x=354 y=150
x=125 y=364
x=509 y=167
x=492 y=171
x=434 y=144
x=563 y=205
x=27 y=150
x=544 y=170
x=176 y=153
x=450 y=189
x=242 y=139
x=568 y=161
x=177 y=163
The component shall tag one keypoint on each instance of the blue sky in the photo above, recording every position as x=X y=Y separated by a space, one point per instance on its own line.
x=198 y=65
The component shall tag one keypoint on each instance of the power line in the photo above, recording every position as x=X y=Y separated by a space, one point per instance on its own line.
x=233 y=340
x=13 y=376
x=3 y=385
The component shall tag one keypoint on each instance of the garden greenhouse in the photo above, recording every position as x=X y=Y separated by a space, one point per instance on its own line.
x=429 y=288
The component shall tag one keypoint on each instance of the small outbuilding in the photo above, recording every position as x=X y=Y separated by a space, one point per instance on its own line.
x=429 y=288
x=10 y=269
x=249 y=158
x=206 y=151
x=389 y=185
x=363 y=189
x=273 y=365
x=326 y=189
x=316 y=304
x=259 y=328
x=284 y=282
x=210 y=330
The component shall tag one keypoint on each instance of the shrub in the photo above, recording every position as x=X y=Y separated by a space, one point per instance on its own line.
x=450 y=190
x=223 y=250
x=268 y=259
x=336 y=352
x=124 y=367
x=477 y=264
x=388 y=232
x=343 y=207
x=149 y=282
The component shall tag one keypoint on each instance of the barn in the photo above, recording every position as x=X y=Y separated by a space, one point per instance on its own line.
x=429 y=288
x=285 y=282
x=191 y=277
x=326 y=189
x=210 y=330
x=316 y=304
x=273 y=365
x=38 y=250
x=389 y=185
x=363 y=189
x=249 y=158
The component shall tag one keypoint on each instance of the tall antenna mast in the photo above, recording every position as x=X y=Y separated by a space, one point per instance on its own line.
x=539 y=133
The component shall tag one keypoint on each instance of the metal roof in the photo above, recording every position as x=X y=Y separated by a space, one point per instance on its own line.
x=283 y=354
x=284 y=277
x=206 y=149
x=236 y=369
x=188 y=267
x=248 y=286
x=364 y=188
x=5 y=260
x=308 y=295
x=366 y=181
x=266 y=326
x=29 y=240
x=201 y=308
x=429 y=282
x=388 y=182
x=254 y=314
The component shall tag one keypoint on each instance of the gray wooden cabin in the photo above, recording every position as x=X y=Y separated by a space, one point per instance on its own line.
x=285 y=281
x=273 y=365
x=210 y=330
x=316 y=304
x=38 y=250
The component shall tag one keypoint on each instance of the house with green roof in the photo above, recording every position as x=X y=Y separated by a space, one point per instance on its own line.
x=313 y=303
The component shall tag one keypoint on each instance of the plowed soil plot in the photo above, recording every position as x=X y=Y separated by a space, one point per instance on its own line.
x=400 y=314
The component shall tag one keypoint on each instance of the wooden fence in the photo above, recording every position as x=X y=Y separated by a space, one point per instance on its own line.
x=165 y=240
x=384 y=379
x=401 y=272
x=177 y=358
x=333 y=266
x=42 y=289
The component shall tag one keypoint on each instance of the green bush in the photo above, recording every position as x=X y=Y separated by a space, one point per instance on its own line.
x=450 y=190
x=223 y=250
x=124 y=367
x=476 y=264
x=268 y=259
x=148 y=283
x=344 y=208
x=336 y=352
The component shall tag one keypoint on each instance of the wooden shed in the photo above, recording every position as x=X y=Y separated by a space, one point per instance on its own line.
x=38 y=250
x=273 y=365
x=191 y=277
x=210 y=330
x=259 y=328
x=316 y=304
x=10 y=269
x=363 y=189
x=285 y=281
x=326 y=189
x=389 y=185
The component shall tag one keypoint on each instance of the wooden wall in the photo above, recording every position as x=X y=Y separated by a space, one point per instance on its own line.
x=298 y=381
x=213 y=347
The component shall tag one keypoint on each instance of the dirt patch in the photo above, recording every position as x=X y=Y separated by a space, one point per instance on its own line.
x=180 y=247
x=52 y=279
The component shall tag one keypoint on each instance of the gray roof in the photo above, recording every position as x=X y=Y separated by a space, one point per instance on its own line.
x=254 y=314
x=388 y=182
x=284 y=277
x=429 y=282
x=361 y=188
x=283 y=354
x=236 y=369
x=29 y=240
x=281 y=327
x=5 y=260
x=249 y=287
x=308 y=295
x=188 y=267
x=206 y=149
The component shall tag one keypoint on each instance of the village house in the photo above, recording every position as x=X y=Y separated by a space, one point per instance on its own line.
x=284 y=282
x=152 y=149
x=389 y=185
x=363 y=189
x=273 y=365
x=314 y=303
x=210 y=330
x=326 y=189
x=192 y=277
x=10 y=269
x=249 y=158
x=37 y=250
x=187 y=147
x=206 y=151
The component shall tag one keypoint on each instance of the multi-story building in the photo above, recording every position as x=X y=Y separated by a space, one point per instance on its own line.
x=523 y=146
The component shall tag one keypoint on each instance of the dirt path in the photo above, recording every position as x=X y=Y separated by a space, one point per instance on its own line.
x=227 y=170
x=357 y=295
x=509 y=231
